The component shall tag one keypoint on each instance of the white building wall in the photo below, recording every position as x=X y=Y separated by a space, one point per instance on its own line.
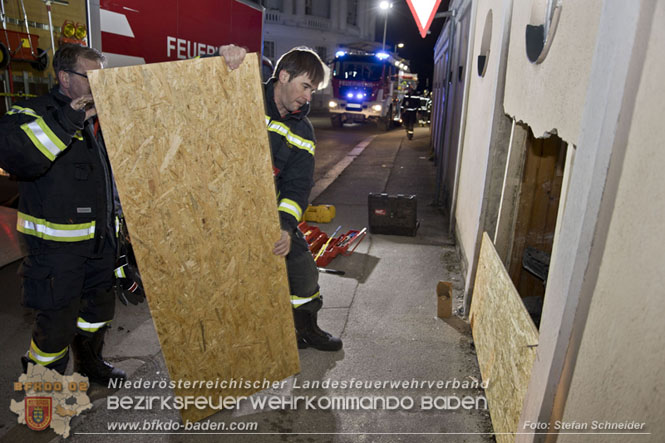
x=617 y=376
x=550 y=95
x=486 y=133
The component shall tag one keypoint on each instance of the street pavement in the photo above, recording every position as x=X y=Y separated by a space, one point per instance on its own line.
x=384 y=309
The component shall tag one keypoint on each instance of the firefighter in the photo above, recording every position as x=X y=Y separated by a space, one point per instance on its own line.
x=410 y=105
x=298 y=74
x=68 y=213
x=69 y=216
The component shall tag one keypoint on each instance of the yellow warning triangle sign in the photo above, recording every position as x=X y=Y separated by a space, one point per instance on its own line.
x=423 y=12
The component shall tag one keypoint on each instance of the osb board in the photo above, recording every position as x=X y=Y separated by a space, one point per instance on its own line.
x=504 y=337
x=190 y=154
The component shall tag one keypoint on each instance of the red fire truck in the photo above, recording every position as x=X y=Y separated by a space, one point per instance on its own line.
x=130 y=32
x=368 y=85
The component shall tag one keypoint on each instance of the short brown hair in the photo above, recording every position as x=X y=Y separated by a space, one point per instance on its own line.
x=67 y=56
x=302 y=60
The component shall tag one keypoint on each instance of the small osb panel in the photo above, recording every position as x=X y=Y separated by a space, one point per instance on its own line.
x=190 y=154
x=504 y=337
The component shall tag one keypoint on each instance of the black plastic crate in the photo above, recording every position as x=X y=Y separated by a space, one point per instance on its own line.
x=392 y=214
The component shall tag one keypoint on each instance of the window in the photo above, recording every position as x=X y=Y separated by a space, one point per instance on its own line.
x=541 y=28
x=352 y=12
x=275 y=5
x=318 y=8
x=485 y=45
x=269 y=49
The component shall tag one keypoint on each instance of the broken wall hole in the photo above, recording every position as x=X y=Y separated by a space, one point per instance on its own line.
x=536 y=217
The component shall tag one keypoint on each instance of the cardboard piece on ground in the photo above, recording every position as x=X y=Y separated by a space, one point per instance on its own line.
x=444 y=299
x=505 y=339
x=190 y=154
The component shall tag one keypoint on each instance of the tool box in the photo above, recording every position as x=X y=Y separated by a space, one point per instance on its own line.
x=392 y=214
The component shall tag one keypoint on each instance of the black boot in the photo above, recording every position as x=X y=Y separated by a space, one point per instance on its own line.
x=308 y=332
x=88 y=358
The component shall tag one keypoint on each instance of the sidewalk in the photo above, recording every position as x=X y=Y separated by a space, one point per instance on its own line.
x=384 y=308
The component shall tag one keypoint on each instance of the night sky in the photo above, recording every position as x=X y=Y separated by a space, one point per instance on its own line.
x=402 y=28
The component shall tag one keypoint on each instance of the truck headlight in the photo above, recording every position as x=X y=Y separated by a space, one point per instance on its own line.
x=332 y=104
x=376 y=108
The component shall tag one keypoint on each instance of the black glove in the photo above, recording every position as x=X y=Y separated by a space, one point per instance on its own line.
x=129 y=287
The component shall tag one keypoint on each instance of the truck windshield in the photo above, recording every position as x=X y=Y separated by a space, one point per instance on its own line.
x=358 y=70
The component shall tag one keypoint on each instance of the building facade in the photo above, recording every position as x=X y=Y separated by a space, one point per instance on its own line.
x=323 y=25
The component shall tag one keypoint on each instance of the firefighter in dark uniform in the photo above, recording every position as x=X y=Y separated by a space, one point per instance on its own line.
x=410 y=105
x=69 y=217
x=298 y=74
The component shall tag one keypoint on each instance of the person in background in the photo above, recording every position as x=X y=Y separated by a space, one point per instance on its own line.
x=410 y=105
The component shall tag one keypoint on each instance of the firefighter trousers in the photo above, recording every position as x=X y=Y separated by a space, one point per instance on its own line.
x=303 y=275
x=70 y=294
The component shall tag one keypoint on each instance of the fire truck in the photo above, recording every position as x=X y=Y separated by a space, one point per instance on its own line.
x=130 y=32
x=368 y=85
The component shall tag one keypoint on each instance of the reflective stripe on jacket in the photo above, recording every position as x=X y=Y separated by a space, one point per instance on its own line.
x=292 y=145
x=64 y=175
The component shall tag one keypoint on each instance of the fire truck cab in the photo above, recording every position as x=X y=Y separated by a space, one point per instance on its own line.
x=368 y=86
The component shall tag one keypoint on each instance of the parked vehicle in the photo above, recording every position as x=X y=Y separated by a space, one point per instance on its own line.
x=368 y=86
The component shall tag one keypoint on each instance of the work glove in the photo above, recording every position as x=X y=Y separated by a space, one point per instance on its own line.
x=129 y=287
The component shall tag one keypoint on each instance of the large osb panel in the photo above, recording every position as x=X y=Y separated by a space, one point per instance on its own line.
x=189 y=149
x=505 y=339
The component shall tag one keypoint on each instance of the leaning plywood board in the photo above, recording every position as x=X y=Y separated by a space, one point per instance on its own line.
x=505 y=339
x=189 y=149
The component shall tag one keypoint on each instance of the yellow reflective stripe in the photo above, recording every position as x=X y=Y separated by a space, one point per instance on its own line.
x=90 y=327
x=299 y=301
x=43 y=138
x=47 y=230
x=298 y=142
x=290 y=207
x=78 y=135
x=120 y=272
x=20 y=110
x=117 y=226
x=267 y=119
x=44 y=358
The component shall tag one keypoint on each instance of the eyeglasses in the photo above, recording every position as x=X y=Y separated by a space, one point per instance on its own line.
x=77 y=73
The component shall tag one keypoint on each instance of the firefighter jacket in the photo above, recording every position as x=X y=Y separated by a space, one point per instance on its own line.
x=292 y=145
x=410 y=103
x=66 y=187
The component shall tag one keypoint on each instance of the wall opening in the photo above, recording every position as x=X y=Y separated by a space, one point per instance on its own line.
x=483 y=56
x=541 y=28
x=537 y=209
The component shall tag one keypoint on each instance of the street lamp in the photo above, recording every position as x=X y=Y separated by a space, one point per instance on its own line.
x=385 y=5
x=399 y=46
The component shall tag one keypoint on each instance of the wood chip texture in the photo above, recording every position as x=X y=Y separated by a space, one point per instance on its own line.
x=505 y=339
x=189 y=148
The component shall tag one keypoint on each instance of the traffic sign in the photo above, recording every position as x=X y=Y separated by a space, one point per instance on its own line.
x=423 y=12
